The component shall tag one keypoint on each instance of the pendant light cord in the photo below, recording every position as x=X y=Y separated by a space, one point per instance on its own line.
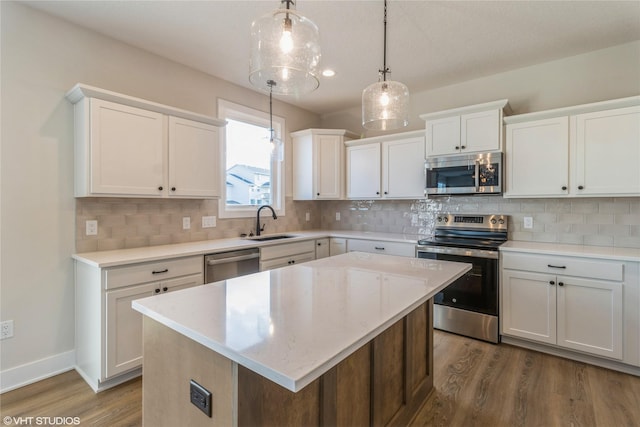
x=271 y=84
x=385 y=69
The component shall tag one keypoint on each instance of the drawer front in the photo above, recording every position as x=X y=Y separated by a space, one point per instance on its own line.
x=118 y=277
x=287 y=249
x=565 y=266
x=380 y=247
x=286 y=261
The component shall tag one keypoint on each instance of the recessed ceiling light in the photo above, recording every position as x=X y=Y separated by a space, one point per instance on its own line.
x=328 y=73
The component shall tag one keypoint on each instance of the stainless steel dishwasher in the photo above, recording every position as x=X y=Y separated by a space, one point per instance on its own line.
x=227 y=265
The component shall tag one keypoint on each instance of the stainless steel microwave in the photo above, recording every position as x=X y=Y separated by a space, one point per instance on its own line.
x=466 y=174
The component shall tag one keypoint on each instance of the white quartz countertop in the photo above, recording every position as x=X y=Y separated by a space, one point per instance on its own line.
x=112 y=258
x=600 y=252
x=293 y=324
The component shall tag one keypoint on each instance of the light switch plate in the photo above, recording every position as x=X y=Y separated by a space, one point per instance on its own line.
x=337 y=216
x=208 y=221
x=186 y=223
x=307 y=216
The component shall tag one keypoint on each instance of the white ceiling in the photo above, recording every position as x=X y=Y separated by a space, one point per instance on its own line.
x=430 y=43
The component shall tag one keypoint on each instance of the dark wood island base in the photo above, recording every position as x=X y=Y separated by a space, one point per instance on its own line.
x=384 y=382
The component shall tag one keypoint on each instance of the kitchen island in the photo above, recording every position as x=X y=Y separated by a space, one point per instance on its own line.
x=345 y=340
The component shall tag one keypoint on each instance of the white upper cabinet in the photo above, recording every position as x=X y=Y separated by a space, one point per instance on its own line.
x=471 y=129
x=129 y=147
x=193 y=159
x=403 y=168
x=390 y=166
x=125 y=151
x=607 y=152
x=318 y=163
x=363 y=171
x=583 y=151
x=537 y=158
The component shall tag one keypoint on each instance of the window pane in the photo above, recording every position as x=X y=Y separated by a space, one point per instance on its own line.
x=248 y=164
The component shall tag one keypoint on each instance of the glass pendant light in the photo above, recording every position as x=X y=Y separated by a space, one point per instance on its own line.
x=285 y=49
x=385 y=104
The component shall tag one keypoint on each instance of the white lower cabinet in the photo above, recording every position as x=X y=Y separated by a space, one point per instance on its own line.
x=285 y=254
x=108 y=330
x=337 y=246
x=569 y=310
x=382 y=247
x=322 y=248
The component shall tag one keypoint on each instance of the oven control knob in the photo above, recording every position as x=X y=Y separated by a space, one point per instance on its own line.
x=501 y=221
x=454 y=300
x=493 y=221
x=446 y=219
x=439 y=219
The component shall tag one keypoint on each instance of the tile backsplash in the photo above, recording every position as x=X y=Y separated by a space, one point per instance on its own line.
x=592 y=221
x=128 y=223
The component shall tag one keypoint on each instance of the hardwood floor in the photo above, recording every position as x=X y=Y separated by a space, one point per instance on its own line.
x=476 y=384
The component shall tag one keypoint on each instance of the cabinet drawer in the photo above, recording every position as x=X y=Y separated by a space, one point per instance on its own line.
x=118 y=277
x=287 y=249
x=380 y=247
x=286 y=261
x=566 y=266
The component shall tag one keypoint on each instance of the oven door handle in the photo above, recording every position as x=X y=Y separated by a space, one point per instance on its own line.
x=478 y=253
x=477 y=176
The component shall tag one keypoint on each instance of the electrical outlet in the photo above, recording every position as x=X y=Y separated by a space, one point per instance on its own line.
x=307 y=216
x=528 y=222
x=208 y=221
x=91 y=227
x=6 y=329
x=200 y=397
x=186 y=223
x=337 y=216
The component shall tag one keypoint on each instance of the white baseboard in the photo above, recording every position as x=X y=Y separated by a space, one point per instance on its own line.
x=22 y=375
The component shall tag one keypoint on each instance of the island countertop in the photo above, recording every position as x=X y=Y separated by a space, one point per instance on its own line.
x=293 y=324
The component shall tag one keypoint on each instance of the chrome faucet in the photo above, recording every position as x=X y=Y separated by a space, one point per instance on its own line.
x=258 y=228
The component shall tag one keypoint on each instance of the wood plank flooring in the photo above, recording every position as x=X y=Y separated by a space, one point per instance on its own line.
x=476 y=384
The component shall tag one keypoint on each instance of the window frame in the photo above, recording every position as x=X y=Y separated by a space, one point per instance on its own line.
x=233 y=111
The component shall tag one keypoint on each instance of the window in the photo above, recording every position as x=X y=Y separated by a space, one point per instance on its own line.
x=254 y=169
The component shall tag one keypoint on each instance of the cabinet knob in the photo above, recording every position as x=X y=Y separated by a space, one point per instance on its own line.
x=160 y=188
x=173 y=188
x=462 y=147
x=317 y=194
x=580 y=187
x=386 y=192
x=551 y=282
x=157 y=290
x=457 y=147
x=377 y=192
x=564 y=187
x=319 y=244
x=560 y=284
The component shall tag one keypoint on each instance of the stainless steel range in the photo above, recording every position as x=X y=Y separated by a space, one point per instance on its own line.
x=469 y=306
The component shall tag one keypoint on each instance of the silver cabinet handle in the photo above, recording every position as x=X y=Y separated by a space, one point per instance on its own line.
x=232 y=259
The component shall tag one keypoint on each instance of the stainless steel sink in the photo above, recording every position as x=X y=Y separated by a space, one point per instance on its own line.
x=266 y=238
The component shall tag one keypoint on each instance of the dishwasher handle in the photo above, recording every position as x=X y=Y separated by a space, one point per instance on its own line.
x=233 y=259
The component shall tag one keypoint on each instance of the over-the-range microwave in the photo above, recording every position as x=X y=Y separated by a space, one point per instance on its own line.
x=464 y=174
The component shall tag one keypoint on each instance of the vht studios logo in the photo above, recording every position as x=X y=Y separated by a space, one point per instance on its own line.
x=41 y=421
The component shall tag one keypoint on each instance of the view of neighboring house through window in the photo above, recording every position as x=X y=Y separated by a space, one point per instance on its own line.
x=253 y=167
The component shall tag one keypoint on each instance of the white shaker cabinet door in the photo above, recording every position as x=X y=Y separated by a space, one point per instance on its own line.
x=607 y=152
x=537 y=158
x=480 y=131
x=443 y=136
x=529 y=306
x=124 y=328
x=590 y=316
x=329 y=165
x=363 y=171
x=403 y=168
x=127 y=150
x=194 y=165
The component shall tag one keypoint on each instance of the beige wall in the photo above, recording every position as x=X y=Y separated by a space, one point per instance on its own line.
x=42 y=58
x=591 y=77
